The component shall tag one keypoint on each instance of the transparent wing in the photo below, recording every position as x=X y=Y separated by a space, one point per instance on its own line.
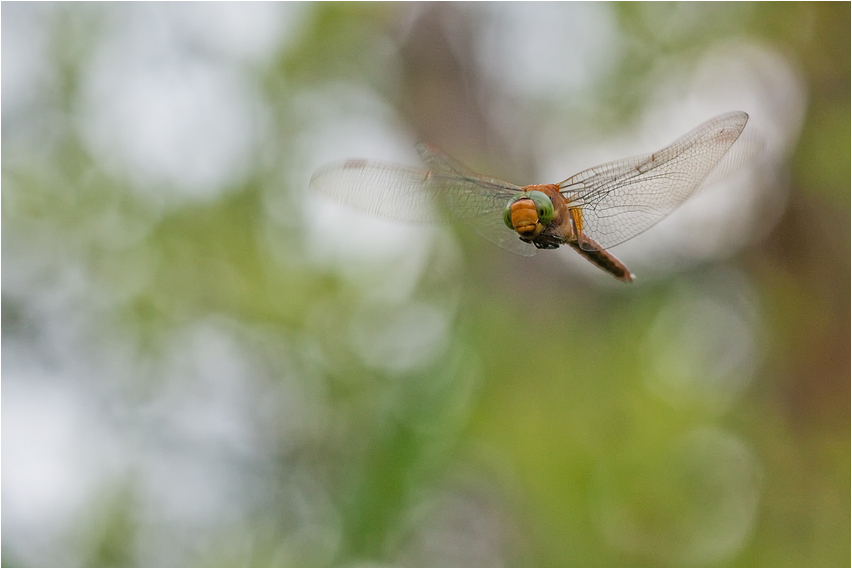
x=420 y=196
x=621 y=199
x=487 y=195
x=384 y=190
x=439 y=162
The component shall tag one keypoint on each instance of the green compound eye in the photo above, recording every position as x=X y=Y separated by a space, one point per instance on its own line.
x=507 y=211
x=543 y=206
x=507 y=215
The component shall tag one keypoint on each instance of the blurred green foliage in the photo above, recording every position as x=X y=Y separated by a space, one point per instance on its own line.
x=530 y=436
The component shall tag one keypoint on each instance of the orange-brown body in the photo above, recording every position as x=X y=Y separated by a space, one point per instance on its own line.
x=566 y=228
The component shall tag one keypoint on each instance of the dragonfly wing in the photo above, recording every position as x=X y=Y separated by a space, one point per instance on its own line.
x=420 y=196
x=382 y=189
x=621 y=199
x=488 y=197
x=492 y=228
x=433 y=157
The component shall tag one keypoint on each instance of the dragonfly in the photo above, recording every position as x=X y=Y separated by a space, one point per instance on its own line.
x=591 y=211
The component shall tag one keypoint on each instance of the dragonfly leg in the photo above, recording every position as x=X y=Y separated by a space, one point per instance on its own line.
x=547 y=241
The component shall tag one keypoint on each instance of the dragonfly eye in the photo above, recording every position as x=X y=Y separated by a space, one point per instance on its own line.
x=543 y=206
x=507 y=211
x=507 y=215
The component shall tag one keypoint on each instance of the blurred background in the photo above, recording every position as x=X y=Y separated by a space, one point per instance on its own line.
x=203 y=364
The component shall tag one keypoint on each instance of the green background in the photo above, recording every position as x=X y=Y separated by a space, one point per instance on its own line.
x=189 y=379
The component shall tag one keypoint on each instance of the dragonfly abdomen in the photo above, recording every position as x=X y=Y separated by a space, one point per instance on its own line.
x=603 y=259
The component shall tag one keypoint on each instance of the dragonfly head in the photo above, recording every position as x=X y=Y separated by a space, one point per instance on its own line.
x=528 y=213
